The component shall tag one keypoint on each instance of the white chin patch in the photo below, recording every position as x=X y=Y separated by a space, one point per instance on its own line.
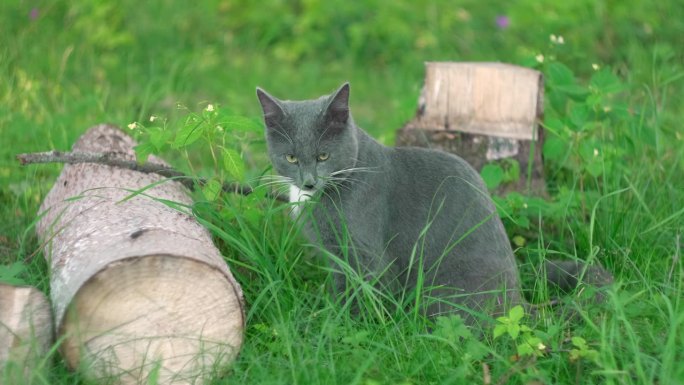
x=298 y=195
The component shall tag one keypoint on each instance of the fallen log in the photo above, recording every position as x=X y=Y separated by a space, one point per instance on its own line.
x=138 y=288
x=25 y=334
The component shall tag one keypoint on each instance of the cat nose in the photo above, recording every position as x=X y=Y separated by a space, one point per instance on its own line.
x=308 y=181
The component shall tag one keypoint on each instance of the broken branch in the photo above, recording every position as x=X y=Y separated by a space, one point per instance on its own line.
x=115 y=159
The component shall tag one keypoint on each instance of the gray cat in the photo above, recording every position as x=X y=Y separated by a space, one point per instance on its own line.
x=398 y=216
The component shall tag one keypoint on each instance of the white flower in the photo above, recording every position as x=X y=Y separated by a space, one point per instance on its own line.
x=540 y=58
x=595 y=66
x=541 y=346
x=557 y=39
x=596 y=152
x=210 y=108
x=153 y=118
x=132 y=126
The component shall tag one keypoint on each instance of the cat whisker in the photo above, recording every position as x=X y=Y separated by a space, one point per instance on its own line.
x=353 y=169
x=277 y=178
x=272 y=176
x=340 y=180
x=271 y=183
x=336 y=187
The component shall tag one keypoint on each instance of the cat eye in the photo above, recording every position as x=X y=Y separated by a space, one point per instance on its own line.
x=323 y=156
x=291 y=158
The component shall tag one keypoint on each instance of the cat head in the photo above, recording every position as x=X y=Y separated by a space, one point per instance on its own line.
x=311 y=142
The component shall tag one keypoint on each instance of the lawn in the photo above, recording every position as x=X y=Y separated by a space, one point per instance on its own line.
x=614 y=164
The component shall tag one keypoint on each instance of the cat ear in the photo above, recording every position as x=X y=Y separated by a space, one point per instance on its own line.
x=273 y=111
x=338 y=108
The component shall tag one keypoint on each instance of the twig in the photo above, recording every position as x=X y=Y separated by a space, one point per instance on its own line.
x=115 y=159
x=486 y=374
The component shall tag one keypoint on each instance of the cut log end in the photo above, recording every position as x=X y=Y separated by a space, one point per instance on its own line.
x=25 y=333
x=484 y=113
x=140 y=291
x=148 y=316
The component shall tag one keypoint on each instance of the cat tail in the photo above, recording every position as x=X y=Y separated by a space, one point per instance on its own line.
x=568 y=275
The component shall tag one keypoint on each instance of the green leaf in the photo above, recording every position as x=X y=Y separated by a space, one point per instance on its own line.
x=212 y=189
x=476 y=349
x=558 y=74
x=451 y=328
x=594 y=100
x=594 y=169
x=159 y=138
x=493 y=175
x=233 y=164
x=499 y=330
x=516 y=313
x=523 y=222
x=579 y=114
x=579 y=342
x=10 y=273
x=512 y=170
x=575 y=354
x=513 y=330
x=554 y=125
x=240 y=123
x=606 y=82
x=189 y=134
x=574 y=91
x=525 y=349
x=143 y=151
x=555 y=148
x=591 y=158
x=533 y=341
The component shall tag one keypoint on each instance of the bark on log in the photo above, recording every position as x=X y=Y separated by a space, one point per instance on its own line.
x=138 y=288
x=482 y=112
x=25 y=334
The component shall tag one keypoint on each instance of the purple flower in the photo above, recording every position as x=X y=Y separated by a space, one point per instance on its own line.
x=503 y=22
x=33 y=15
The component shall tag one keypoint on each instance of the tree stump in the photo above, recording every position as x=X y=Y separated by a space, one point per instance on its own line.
x=25 y=334
x=484 y=113
x=138 y=288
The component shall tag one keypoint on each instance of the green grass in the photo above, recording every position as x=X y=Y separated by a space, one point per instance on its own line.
x=81 y=63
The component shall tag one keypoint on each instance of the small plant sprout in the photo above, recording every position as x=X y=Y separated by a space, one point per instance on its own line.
x=582 y=350
x=527 y=344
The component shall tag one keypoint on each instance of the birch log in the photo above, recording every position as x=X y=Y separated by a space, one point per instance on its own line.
x=138 y=287
x=25 y=334
x=483 y=112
